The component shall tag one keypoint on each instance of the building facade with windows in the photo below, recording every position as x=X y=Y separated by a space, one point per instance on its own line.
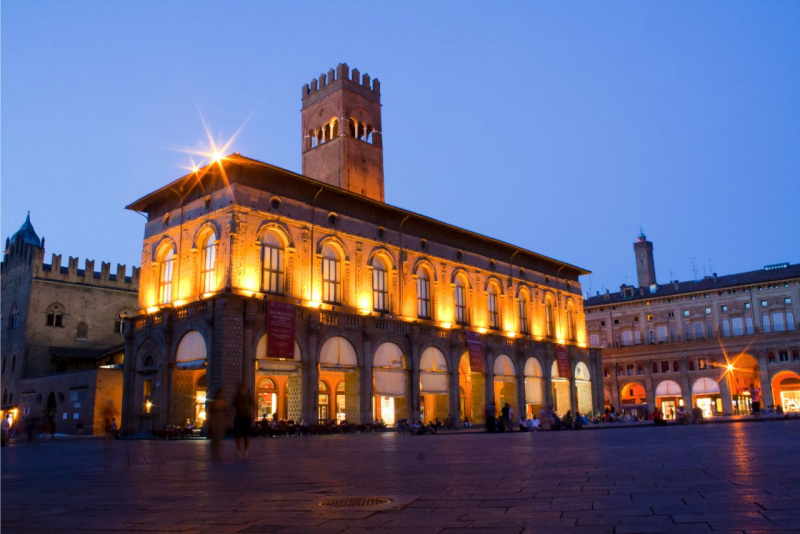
x=381 y=300
x=62 y=346
x=705 y=343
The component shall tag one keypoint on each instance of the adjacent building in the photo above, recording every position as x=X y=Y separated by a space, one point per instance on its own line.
x=62 y=341
x=328 y=303
x=707 y=343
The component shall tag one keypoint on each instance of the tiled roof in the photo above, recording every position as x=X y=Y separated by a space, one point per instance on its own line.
x=26 y=233
x=709 y=283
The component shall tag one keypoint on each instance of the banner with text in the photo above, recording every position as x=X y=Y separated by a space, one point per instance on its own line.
x=280 y=330
x=475 y=349
x=562 y=359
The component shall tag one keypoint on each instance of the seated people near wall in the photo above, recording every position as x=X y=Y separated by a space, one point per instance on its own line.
x=578 y=423
x=491 y=422
x=697 y=414
x=556 y=423
x=535 y=424
x=567 y=420
x=682 y=416
x=431 y=428
x=658 y=417
x=523 y=424
x=466 y=423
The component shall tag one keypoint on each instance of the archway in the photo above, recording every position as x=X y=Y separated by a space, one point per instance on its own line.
x=561 y=393
x=434 y=399
x=534 y=387
x=744 y=375
x=669 y=398
x=633 y=399
x=390 y=384
x=706 y=396
x=607 y=397
x=338 y=367
x=786 y=391
x=505 y=383
x=583 y=389
x=285 y=397
x=471 y=385
x=200 y=401
x=190 y=365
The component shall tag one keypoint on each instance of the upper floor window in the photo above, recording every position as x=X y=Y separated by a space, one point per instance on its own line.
x=423 y=294
x=272 y=264
x=55 y=317
x=119 y=324
x=702 y=364
x=331 y=275
x=492 y=307
x=82 y=331
x=594 y=341
x=208 y=262
x=549 y=318
x=737 y=326
x=13 y=317
x=166 y=262
x=765 y=323
x=360 y=130
x=627 y=337
x=726 y=328
x=523 y=304
x=460 y=297
x=380 y=291
x=698 y=330
x=662 y=334
x=571 y=335
x=777 y=321
x=789 y=321
x=748 y=324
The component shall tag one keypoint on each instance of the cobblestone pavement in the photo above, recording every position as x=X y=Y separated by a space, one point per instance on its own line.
x=734 y=477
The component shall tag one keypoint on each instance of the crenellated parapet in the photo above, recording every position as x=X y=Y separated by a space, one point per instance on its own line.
x=72 y=273
x=342 y=76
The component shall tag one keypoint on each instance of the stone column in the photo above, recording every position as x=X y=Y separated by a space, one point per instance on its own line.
x=248 y=350
x=453 y=387
x=686 y=386
x=488 y=386
x=615 y=400
x=725 y=393
x=548 y=377
x=365 y=391
x=648 y=386
x=414 y=382
x=311 y=375
x=126 y=424
x=767 y=398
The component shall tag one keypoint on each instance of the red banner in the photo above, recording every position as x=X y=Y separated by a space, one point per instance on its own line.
x=475 y=349
x=562 y=359
x=280 y=330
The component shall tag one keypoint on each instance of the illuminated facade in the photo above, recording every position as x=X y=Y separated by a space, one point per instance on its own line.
x=671 y=345
x=62 y=345
x=384 y=297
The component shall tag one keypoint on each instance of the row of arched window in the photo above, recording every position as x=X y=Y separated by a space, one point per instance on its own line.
x=273 y=280
x=330 y=130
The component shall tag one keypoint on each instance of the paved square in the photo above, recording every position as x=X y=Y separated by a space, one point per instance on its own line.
x=716 y=477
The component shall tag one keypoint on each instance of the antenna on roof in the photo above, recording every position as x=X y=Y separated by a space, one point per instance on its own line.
x=694 y=268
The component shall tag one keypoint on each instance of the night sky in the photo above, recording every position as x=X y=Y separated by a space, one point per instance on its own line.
x=558 y=127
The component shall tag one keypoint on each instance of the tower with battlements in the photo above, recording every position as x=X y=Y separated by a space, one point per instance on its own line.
x=342 y=143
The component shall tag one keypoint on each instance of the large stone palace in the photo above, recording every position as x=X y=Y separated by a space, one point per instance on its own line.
x=708 y=343
x=326 y=302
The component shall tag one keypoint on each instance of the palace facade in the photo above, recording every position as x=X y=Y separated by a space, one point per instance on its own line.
x=381 y=302
x=62 y=346
x=704 y=343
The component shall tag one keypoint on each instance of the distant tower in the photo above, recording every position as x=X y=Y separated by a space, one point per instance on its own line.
x=645 y=264
x=342 y=143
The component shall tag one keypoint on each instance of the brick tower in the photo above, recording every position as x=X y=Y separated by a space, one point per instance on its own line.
x=342 y=143
x=645 y=264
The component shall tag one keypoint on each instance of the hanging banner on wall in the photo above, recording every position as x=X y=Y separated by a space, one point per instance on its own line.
x=280 y=330
x=562 y=359
x=475 y=348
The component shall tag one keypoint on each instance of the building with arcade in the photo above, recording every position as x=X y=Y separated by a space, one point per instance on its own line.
x=711 y=343
x=328 y=303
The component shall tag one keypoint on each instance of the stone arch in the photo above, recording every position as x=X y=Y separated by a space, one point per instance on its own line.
x=336 y=243
x=210 y=226
x=277 y=228
x=582 y=372
x=786 y=390
x=460 y=272
x=159 y=248
x=191 y=350
x=337 y=349
x=385 y=254
x=494 y=281
x=425 y=263
x=633 y=393
x=261 y=349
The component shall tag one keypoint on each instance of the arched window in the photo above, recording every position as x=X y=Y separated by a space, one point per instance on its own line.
x=313 y=137
x=55 y=316
x=331 y=275
x=460 y=297
x=571 y=322
x=765 y=322
x=207 y=263
x=334 y=129
x=789 y=321
x=549 y=318
x=13 y=317
x=423 y=294
x=82 y=331
x=380 y=292
x=119 y=322
x=166 y=261
x=353 y=126
x=492 y=307
x=272 y=264
x=522 y=311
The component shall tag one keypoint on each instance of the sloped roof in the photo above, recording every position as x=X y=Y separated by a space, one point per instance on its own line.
x=709 y=283
x=26 y=234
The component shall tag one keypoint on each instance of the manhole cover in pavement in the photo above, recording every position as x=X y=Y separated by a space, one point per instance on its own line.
x=355 y=502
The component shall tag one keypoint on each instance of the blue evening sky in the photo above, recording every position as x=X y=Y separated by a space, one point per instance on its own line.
x=559 y=127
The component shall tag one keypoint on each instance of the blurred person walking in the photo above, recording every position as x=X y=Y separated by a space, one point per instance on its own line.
x=215 y=408
x=243 y=419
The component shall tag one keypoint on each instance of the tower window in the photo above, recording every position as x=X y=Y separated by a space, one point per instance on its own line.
x=165 y=278
x=494 y=315
x=272 y=276
x=423 y=294
x=460 y=298
x=208 y=262
x=380 y=293
x=331 y=275
x=55 y=318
